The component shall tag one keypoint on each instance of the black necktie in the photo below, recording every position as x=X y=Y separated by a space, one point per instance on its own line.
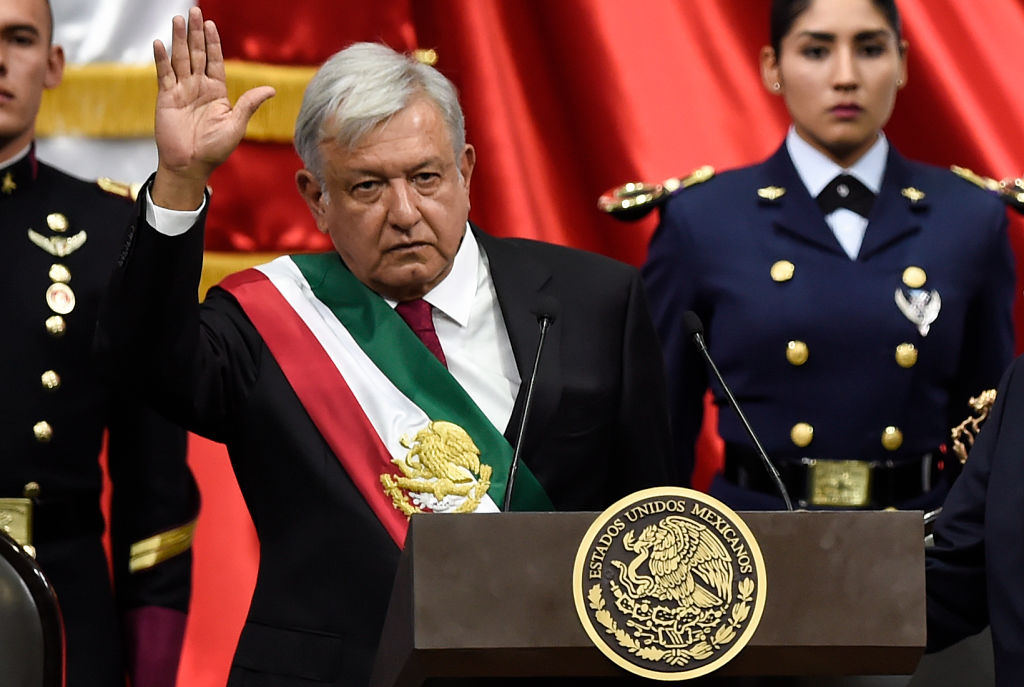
x=846 y=191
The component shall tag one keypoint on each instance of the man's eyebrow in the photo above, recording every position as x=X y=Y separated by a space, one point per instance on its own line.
x=17 y=28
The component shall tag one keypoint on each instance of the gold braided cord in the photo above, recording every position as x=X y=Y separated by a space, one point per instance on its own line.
x=154 y=550
x=112 y=100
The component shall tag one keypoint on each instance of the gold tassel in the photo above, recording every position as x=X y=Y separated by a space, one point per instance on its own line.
x=111 y=100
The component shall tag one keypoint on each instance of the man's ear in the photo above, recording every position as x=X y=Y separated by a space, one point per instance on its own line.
x=54 y=67
x=313 y=193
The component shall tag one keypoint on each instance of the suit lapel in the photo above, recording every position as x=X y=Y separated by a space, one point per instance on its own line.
x=894 y=216
x=520 y=283
x=796 y=213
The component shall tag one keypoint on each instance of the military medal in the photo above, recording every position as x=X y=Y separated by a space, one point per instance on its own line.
x=58 y=246
x=920 y=307
x=60 y=298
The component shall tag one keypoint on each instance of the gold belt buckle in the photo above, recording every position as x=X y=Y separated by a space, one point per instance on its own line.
x=839 y=483
x=16 y=520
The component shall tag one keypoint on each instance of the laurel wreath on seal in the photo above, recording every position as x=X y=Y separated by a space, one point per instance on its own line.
x=676 y=656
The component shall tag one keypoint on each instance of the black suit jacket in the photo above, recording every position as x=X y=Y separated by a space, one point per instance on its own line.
x=597 y=431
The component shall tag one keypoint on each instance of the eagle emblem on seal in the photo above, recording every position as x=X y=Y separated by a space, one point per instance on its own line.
x=441 y=473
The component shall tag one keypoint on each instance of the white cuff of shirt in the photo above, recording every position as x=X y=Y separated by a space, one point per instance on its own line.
x=170 y=222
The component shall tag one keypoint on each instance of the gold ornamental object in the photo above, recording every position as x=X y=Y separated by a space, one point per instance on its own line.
x=60 y=298
x=57 y=222
x=56 y=326
x=59 y=273
x=914 y=195
x=1010 y=191
x=963 y=435
x=892 y=438
x=16 y=519
x=906 y=355
x=782 y=270
x=634 y=200
x=771 y=193
x=802 y=434
x=42 y=431
x=50 y=380
x=839 y=483
x=669 y=583
x=797 y=353
x=914 y=277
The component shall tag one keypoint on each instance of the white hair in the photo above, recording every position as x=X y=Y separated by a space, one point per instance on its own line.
x=362 y=86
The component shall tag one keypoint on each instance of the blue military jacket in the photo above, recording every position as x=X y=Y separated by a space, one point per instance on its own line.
x=808 y=338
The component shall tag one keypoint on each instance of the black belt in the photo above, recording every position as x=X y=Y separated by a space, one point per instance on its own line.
x=829 y=483
x=67 y=516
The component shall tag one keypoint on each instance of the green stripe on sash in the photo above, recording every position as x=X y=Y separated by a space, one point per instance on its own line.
x=398 y=353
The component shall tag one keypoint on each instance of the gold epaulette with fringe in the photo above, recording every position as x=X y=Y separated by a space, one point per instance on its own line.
x=119 y=188
x=1010 y=191
x=636 y=199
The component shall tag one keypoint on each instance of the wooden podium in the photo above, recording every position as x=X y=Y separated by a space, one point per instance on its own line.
x=490 y=596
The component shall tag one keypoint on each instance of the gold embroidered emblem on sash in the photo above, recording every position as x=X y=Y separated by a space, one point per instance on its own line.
x=441 y=473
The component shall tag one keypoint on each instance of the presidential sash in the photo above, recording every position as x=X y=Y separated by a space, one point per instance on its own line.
x=406 y=432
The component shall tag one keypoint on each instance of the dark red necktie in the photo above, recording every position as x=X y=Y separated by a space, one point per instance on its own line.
x=417 y=314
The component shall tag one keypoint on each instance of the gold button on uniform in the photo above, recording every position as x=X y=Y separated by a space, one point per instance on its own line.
x=56 y=326
x=59 y=273
x=32 y=490
x=801 y=434
x=51 y=380
x=906 y=355
x=43 y=431
x=796 y=352
x=57 y=222
x=914 y=277
x=892 y=438
x=782 y=271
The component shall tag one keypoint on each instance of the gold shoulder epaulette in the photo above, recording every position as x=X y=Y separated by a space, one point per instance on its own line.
x=636 y=199
x=119 y=188
x=154 y=550
x=1010 y=191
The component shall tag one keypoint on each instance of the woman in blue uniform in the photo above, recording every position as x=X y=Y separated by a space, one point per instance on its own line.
x=853 y=299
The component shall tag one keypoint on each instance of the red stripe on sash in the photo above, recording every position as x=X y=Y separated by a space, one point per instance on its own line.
x=323 y=392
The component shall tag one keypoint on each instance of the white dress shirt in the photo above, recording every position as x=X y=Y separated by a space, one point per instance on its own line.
x=466 y=316
x=817 y=171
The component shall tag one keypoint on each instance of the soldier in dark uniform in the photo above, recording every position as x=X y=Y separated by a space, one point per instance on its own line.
x=854 y=300
x=60 y=238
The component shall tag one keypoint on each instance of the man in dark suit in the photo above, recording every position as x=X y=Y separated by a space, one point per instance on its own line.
x=60 y=237
x=340 y=418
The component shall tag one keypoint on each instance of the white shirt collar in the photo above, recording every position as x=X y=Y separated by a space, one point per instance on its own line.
x=816 y=170
x=454 y=294
x=7 y=163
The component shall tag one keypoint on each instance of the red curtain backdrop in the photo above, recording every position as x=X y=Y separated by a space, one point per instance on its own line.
x=564 y=99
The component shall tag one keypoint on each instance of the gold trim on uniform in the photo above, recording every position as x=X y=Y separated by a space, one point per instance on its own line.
x=58 y=246
x=7 y=187
x=59 y=273
x=42 y=431
x=152 y=551
x=914 y=195
x=914 y=277
x=892 y=438
x=906 y=355
x=16 y=520
x=60 y=298
x=50 y=380
x=57 y=222
x=56 y=326
x=797 y=353
x=802 y=434
x=782 y=270
x=771 y=193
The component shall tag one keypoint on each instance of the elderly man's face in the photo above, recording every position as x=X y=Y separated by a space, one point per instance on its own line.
x=28 y=64
x=395 y=206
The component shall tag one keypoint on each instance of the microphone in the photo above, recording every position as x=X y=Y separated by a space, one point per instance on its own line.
x=545 y=316
x=696 y=332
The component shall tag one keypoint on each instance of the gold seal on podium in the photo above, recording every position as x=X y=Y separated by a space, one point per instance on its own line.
x=669 y=583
